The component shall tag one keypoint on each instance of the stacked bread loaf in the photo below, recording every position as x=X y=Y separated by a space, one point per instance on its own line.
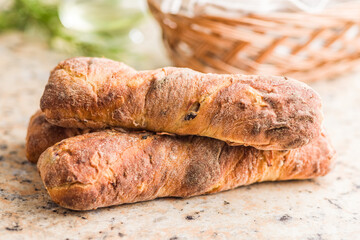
x=107 y=134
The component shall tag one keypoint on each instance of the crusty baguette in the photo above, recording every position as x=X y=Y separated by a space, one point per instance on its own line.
x=108 y=167
x=41 y=135
x=270 y=113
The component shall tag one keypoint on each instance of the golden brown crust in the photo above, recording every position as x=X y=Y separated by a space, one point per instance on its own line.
x=108 y=167
x=261 y=111
x=41 y=135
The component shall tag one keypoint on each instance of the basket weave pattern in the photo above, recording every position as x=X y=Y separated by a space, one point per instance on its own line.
x=305 y=46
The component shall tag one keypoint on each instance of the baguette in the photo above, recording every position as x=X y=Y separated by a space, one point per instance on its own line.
x=41 y=135
x=109 y=167
x=268 y=113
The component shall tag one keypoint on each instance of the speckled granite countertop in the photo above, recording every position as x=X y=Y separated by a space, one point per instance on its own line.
x=325 y=208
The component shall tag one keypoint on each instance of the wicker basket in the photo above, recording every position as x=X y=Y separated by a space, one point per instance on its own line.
x=305 y=46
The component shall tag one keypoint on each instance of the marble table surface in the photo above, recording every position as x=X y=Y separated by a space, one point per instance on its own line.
x=319 y=209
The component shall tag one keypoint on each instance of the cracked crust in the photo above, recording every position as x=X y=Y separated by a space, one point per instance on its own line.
x=269 y=113
x=109 y=167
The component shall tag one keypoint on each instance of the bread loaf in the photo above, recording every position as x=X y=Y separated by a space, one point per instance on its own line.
x=108 y=167
x=41 y=135
x=269 y=113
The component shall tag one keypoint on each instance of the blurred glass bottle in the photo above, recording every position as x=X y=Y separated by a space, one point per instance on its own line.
x=101 y=15
x=115 y=24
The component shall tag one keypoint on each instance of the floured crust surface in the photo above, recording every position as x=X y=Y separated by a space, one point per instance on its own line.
x=109 y=167
x=261 y=111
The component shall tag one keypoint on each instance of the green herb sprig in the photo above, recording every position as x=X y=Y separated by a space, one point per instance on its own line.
x=39 y=18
